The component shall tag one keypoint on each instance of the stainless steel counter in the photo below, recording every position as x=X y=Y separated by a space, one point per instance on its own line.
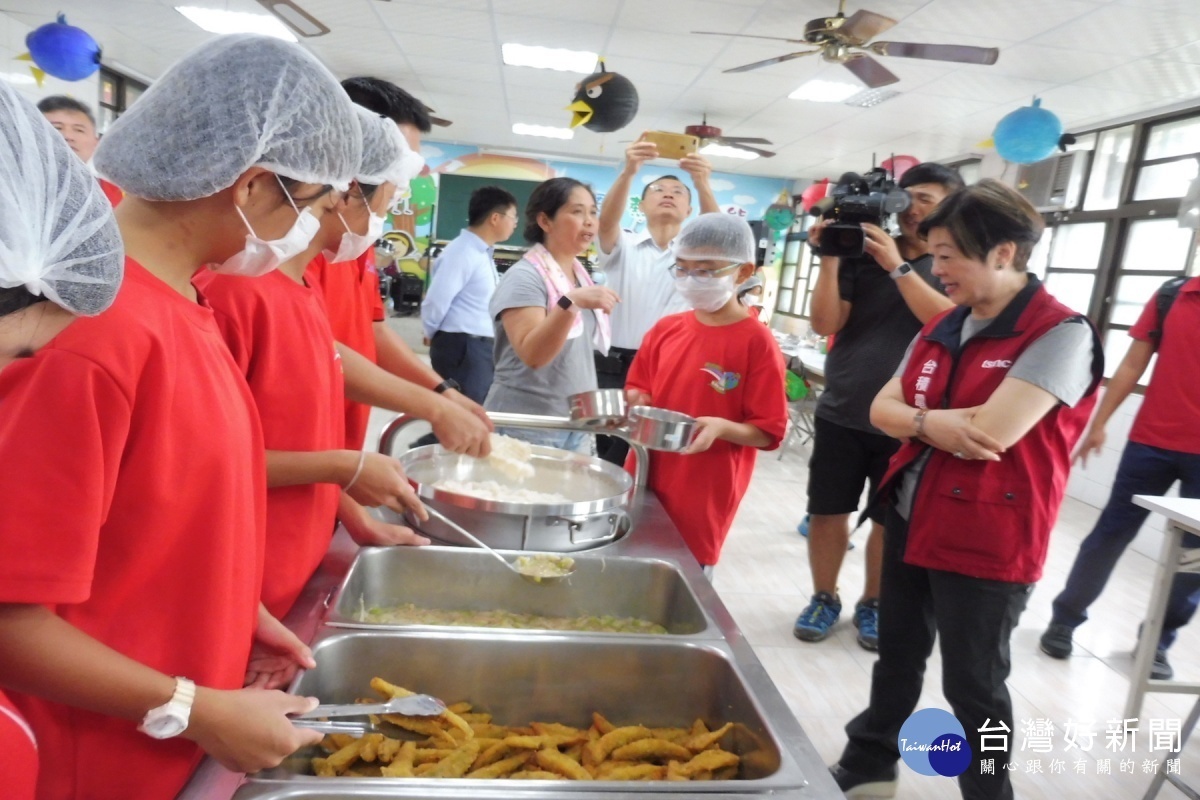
x=653 y=536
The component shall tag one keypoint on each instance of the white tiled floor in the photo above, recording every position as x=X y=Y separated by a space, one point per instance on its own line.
x=763 y=578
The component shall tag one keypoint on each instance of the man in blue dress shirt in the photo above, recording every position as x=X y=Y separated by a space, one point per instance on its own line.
x=454 y=312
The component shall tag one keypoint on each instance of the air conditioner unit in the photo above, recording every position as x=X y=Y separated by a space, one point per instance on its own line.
x=1056 y=183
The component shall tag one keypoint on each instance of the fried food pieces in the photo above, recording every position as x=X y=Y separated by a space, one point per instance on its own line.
x=466 y=743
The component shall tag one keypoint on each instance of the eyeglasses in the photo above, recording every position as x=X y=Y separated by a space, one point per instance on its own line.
x=672 y=191
x=700 y=275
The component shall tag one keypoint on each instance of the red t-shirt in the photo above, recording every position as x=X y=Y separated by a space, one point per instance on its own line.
x=112 y=192
x=1171 y=407
x=730 y=371
x=136 y=514
x=18 y=754
x=352 y=300
x=280 y=338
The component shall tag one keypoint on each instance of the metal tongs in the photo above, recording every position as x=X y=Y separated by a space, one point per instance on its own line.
x=322 y=717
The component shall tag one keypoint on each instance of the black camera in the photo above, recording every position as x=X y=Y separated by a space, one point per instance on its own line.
x=856 y=199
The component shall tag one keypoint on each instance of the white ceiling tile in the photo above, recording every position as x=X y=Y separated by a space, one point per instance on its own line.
x=1010 y=20
x=418 y=46
x=415 y=19
x=1057 y=64
x=600 y=12
x=1141 y=32
x=552 y=31
x=336 y=13
x=1166 y=79
x=453 y=68
x=681 y=48
x=980 y=83
x=1076 y=104
x=673 y=16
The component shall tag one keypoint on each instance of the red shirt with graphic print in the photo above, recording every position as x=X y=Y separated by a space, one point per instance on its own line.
x=731 y=371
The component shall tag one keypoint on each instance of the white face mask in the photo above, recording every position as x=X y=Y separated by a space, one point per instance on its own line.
x=750 y=301
x=354 y=244
x=260 y=256
x=710 y=296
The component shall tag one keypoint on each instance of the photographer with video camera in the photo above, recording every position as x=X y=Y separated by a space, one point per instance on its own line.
x=875 y=292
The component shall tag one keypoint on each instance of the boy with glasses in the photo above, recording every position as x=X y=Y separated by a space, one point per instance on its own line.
x=719 y=365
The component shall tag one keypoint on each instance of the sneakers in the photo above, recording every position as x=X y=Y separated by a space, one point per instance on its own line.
x=854 y=785
x=802 y=528
x=817 y=618
x=1160 y=670
x=866 y=619
x=1056 y=641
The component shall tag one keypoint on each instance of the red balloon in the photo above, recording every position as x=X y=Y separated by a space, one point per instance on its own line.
x=814 y=194
x=898 y=165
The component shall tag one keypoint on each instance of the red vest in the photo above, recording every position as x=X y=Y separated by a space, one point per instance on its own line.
x=989 y=519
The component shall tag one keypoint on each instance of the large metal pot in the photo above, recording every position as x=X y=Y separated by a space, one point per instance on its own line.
x=599 y=496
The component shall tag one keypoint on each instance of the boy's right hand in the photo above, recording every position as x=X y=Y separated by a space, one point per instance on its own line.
x=639 y=153
x=1092 y=442
x=248 y=730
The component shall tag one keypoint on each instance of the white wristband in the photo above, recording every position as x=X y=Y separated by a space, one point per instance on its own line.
x=899 y=272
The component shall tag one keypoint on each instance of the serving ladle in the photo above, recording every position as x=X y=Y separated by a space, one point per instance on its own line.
x=527 y=566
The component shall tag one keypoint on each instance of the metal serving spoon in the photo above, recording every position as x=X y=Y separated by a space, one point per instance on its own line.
x=414 y=705
x=528 y=567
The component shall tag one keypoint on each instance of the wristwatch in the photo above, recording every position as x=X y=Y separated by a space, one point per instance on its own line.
x=447 y=385
x=902 y=270
x=565 y=303
x=171 y=719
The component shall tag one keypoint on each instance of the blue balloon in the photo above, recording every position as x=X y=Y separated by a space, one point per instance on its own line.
x=63 y=50
x=1028 y=134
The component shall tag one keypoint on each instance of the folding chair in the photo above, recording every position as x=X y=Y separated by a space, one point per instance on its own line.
x=802 y=404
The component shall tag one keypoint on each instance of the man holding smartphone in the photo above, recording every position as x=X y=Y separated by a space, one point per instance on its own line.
x=636 y=265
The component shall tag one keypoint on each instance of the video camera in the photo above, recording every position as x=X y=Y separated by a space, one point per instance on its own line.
x=856 y=199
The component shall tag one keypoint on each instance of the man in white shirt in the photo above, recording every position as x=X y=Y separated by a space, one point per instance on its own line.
x=454 y=312
x=635 y=265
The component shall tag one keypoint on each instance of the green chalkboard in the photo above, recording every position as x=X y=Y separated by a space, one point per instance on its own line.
x=454 y=197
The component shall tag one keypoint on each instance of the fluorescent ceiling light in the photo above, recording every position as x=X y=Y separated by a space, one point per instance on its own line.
x=219 y=21
x=17 y=78
x=543 y=130
x=714 y=149
x=522 y=55
x=820 y=91
x=869 y=98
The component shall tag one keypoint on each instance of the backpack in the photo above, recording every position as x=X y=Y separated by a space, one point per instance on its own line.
x=1164 y=298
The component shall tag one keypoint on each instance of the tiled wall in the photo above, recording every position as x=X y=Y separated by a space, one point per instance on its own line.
x=1092 y=484
x=12 y=44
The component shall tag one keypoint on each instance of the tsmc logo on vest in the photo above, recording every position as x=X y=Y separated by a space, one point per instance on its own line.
x=999 y=362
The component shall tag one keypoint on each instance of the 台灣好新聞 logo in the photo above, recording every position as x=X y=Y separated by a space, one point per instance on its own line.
x=932 y=742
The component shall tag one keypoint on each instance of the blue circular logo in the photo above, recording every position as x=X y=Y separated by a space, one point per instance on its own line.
x=932 y=742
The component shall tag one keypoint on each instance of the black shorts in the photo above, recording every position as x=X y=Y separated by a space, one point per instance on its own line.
x=843 y=460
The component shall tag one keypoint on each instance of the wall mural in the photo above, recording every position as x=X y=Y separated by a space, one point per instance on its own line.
x=411 y=220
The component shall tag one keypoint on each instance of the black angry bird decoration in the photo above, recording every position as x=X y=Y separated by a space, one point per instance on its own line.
x=604 y=101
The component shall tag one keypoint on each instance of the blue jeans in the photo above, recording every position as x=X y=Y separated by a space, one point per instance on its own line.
x=563 y=440
x=1143 y=470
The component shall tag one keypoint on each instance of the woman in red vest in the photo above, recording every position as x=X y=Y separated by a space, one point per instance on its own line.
x=989 y=400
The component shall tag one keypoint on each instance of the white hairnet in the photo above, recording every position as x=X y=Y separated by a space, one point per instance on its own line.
x=716 y=237
x=235 y=102
x=58 y=237
x=386 y=156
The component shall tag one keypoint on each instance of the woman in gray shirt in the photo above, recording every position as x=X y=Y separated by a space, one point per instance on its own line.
x=549 y=315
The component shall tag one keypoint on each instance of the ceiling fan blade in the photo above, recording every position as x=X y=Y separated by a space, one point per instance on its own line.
x=870 y=71
x=963 y=54
x=862 y=26
x=770 y=61
x=441 y=123
x=740 y=140
x=751 y=36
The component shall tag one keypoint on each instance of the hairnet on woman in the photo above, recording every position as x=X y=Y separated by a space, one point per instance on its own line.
x=58 y=239
x=132 y=536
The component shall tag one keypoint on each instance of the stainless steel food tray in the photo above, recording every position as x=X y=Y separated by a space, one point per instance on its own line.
x=457 y=578
x=631 y=680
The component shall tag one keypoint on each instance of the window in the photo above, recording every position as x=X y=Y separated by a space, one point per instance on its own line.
x=117 y=93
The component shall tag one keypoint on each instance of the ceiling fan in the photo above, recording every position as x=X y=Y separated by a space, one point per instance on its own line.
x=707 y=133
x=846 y=41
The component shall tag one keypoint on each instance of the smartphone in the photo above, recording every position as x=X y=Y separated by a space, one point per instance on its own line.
x=672 y=145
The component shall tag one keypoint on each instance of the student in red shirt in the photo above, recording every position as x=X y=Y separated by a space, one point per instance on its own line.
x=62 y=257
x=278 y=332
x=718 y=364
x=356 y=310
x=132 y=535
x=1163 y=447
